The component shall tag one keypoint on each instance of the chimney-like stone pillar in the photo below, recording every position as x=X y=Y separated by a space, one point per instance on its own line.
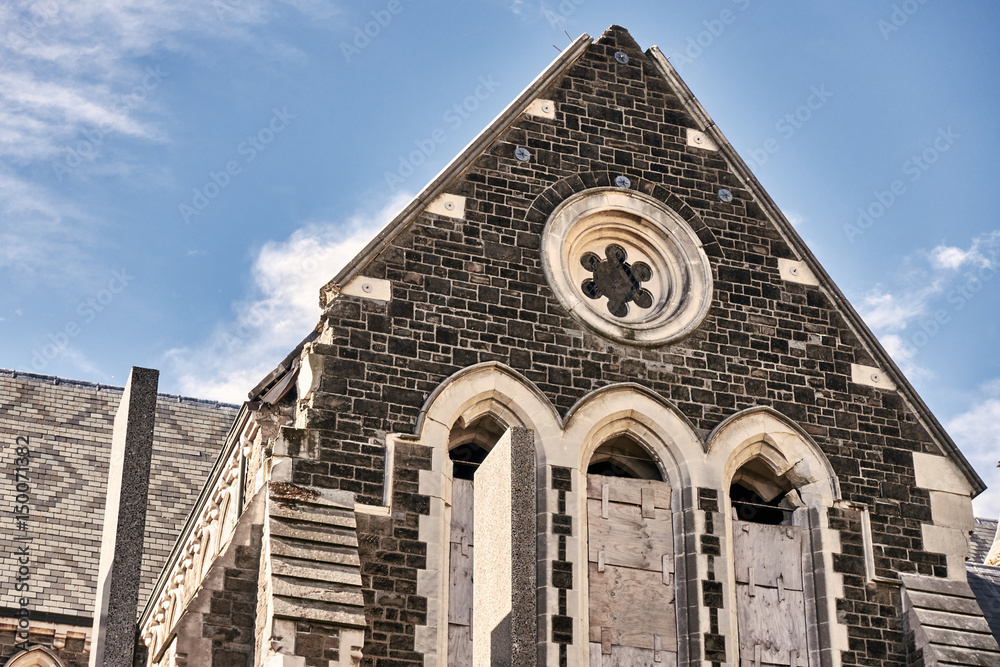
x=116 y=605
x=504 y=620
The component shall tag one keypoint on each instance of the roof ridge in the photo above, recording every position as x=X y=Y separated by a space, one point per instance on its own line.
x=56 y=380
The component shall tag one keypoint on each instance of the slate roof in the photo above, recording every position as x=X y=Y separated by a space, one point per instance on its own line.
x=981 y=540
x=985 y=583
x=69 y=425
x=946 y=623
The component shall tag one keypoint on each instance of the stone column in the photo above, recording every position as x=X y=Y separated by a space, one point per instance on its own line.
x=504 y=620
x=117 y=601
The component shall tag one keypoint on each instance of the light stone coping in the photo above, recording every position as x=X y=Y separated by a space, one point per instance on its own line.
x=448 y=205
x=939 y=473
x=365 y=287
x=681 y=282
x=540 y=108
x=699 y=139
x=871 y=376
x=952 y=510
x=794 y=271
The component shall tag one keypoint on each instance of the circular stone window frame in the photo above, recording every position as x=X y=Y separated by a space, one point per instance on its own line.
x=652 y=233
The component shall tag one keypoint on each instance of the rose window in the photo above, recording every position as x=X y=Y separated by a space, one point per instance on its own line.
x=627 y=266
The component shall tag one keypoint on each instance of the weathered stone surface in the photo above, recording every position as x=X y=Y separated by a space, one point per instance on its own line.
x=124 y=523
x=504 y=619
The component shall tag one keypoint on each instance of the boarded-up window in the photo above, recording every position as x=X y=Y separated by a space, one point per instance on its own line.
x=770 y=603
x=630 y=544
x=460 y=575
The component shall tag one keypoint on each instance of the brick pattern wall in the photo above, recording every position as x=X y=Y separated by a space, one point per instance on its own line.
x=231 y=617
x=562 y=568
x=712 y=594
x=318 y=643
x=473 y=290
x=391 y=554
x=68 y=425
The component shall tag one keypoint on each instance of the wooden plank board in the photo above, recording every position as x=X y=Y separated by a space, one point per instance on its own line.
x=627 y=490
x=635 y=605
x=778 y=627
x=628 y=539
x=459 y=646
x=771 y=551
x=629 y=656
x=462 y=510
x=460 y=585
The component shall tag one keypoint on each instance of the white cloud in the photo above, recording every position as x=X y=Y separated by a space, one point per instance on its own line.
x=948 y=257
x=976 y=434
x=77 y=90
x=884 y=311
x=982 y=253
x=903 y=353
x=43 y=240
x=67 y=66
x=906 y=317
x=282 y=311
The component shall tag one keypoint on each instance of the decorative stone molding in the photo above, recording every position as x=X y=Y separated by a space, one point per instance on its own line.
x=627 y=266
x=217 y=513
x=36 y=656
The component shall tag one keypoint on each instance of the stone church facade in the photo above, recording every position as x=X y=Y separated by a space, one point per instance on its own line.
x=588 y=400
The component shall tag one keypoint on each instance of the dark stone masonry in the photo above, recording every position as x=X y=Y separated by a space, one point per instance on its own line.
x=473 y=290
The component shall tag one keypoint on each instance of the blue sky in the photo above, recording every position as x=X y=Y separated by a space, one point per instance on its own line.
x=178 y=179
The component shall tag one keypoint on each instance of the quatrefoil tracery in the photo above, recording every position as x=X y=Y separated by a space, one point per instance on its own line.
x=617 y=279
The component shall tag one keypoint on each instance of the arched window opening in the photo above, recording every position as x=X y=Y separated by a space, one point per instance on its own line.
x=468 y=446
x=466 y=459
x=624 y=457
x=36 y=656
x=630 y=549
x=770 y=566
x=759 y=496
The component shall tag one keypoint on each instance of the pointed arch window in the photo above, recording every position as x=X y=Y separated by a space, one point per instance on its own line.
x=630 y=549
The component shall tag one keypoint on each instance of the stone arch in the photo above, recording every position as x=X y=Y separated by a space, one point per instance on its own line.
x=486 y=389
x=545 y=203
x=629 y=408
x=489 y=388
x=666 y=434
x=36 y=656
x=764 y=436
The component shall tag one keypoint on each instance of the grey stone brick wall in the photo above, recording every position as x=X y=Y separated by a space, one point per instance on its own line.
x=231 y=618
x=472 y=290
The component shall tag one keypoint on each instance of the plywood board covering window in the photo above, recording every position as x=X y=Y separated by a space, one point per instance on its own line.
x=770 y=601
x=460 y=574
x=630 y=572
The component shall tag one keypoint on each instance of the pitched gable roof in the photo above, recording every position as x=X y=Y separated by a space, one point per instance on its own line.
x=688 y=113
